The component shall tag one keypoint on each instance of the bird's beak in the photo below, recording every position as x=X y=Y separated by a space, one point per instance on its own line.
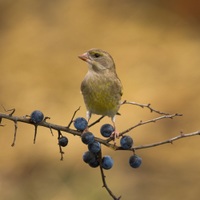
x=84 y=57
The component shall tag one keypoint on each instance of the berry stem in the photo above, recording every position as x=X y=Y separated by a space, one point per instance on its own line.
x=103 y=177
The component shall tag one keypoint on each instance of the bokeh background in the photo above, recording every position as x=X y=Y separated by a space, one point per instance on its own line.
x=155 y=45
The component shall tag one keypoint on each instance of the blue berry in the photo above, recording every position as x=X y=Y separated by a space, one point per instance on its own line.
x=94 y=164
x=89 y=157
x=94 y=147
x=135 y=161
x=63 y=141
x=80 y=123
x=87 y=138
x=37 y=116
x=106 y=130
x=107 y=162
x=126 y=142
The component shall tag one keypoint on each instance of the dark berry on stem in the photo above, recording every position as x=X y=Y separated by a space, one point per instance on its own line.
x=87 y=138
x=63 y=141
x=94 y=147
x=107 y=162
x=126 y=142
x=94 y=164
x=106 y=130
x=80 y=123
x=37 y=116
x=89 y=157
x=135 y=161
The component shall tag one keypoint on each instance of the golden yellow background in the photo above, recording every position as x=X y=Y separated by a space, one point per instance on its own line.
x=156 y=48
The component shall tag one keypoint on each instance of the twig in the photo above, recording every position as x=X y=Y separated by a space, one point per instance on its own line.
x=15 y=134
x=168 y=141
x=1 y=121
x=145 y=106
x=146 y=122
x=150 y=121
x=51 y=131
x=49 y=126
x=72 y=119
x=35 y=134
x=43 y=123
x=103 y=177
x=97 y=121
x=60 y=148
x=10 y=110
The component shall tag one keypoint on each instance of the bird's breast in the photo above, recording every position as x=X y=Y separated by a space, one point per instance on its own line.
x=102 y=94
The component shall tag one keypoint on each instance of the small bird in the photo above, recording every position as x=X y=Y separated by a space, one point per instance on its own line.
x=101 y=87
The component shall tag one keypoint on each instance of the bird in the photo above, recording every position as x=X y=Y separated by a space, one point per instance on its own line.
x=101 y=88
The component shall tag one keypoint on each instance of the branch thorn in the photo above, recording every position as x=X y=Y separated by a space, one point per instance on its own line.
x=35 y=134
x=10 y=110
x=72 y=119
x=15 y=134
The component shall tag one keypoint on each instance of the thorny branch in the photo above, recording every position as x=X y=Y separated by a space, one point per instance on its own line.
x=15 y=133
x=147 y=122
x=181 y=136
x=169 y=141
x=103 y=177
x=71 y=121
x=105 y=142
x=144 y=106
x=60 y=148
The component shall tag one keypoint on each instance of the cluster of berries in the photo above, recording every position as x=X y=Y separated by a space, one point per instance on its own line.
x=37 y=117
x=93 y=155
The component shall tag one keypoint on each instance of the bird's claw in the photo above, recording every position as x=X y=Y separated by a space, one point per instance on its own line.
x=115 y=135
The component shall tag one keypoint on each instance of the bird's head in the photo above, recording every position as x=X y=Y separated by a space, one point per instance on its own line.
x=98 y=60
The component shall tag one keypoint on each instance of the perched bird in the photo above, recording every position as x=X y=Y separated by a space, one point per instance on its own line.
x=101 y=87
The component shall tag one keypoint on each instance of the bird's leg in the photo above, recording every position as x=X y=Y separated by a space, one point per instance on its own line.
x=88 y=116
x=115 y=133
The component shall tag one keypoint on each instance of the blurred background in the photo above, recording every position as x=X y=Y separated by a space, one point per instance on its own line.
x=155 y=45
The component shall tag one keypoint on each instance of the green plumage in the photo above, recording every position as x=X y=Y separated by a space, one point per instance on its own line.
x=102 y=93
x=101 y=88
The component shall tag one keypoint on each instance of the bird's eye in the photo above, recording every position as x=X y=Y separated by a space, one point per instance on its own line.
x=96 y=55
